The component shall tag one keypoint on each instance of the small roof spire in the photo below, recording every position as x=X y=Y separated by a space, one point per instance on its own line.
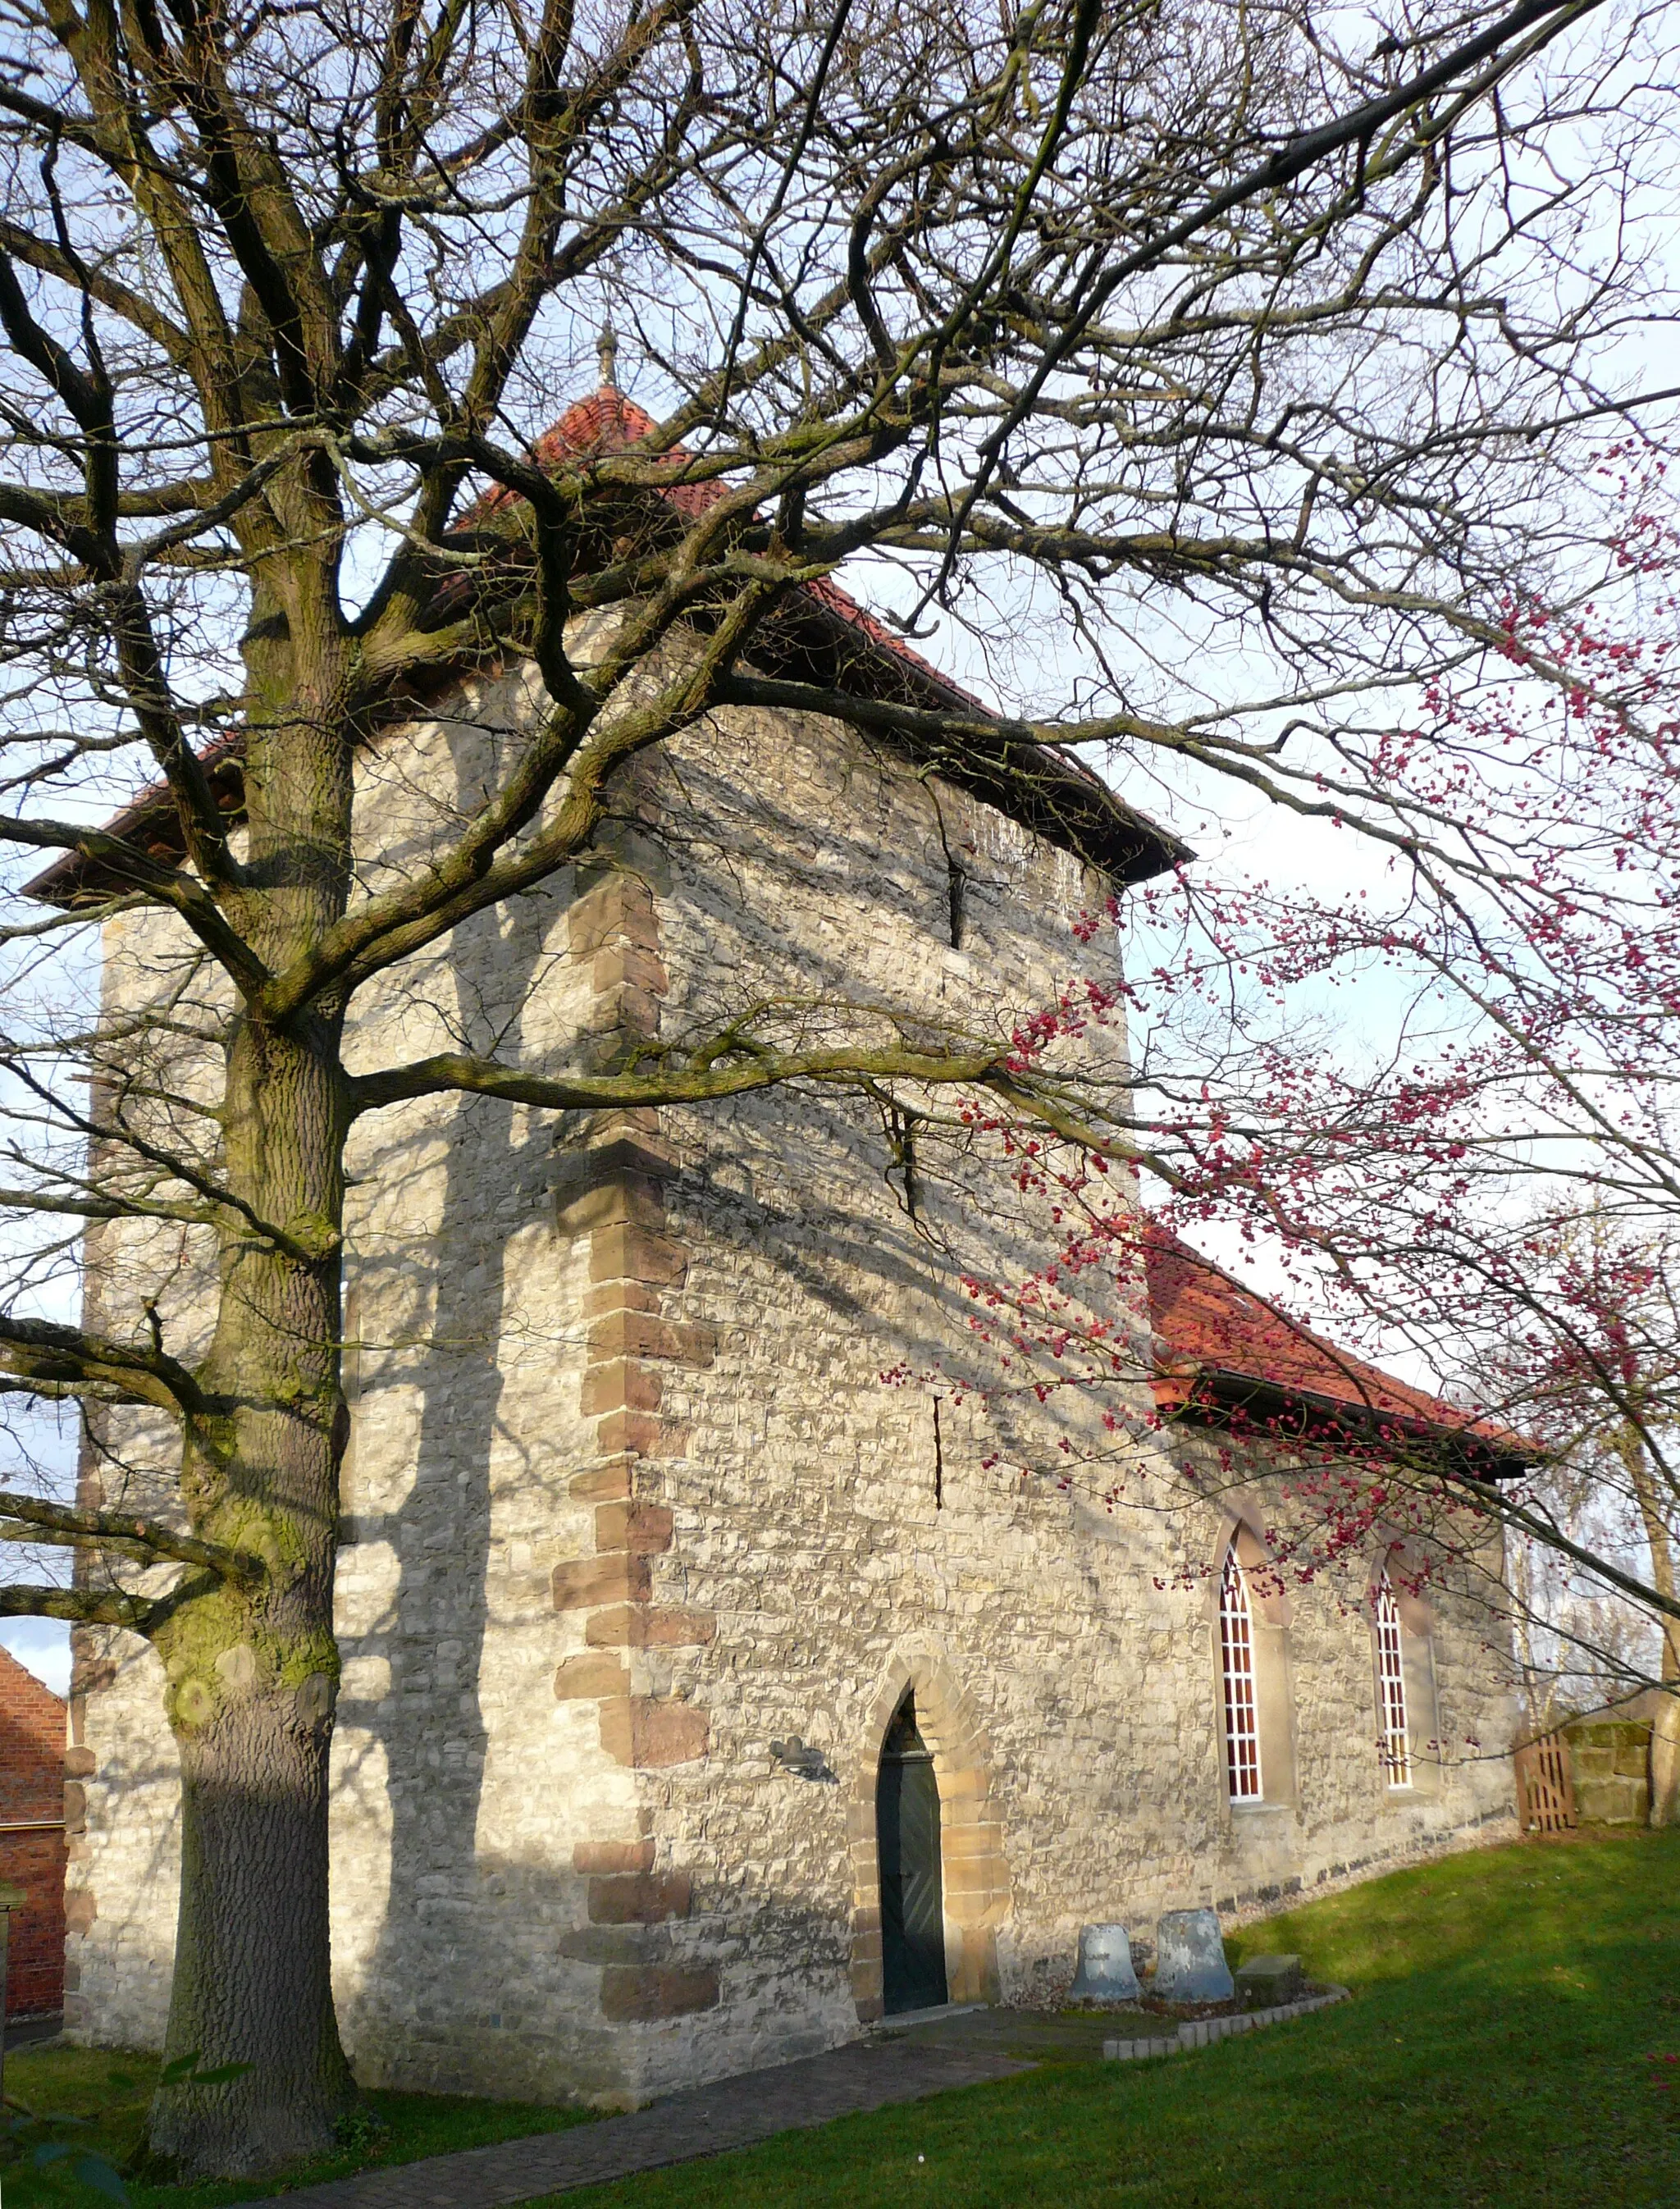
x=606 y=346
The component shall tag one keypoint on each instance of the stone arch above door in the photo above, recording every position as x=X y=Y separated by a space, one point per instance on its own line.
x=975 y=1875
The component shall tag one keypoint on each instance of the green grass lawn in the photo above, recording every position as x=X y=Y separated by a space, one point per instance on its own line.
x=396 y=2128
x=1514 y=2040
x=1514 y=2043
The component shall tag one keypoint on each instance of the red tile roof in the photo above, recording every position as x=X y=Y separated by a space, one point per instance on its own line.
x=1220 y=1345
x=607 y=423
x=597 y=428
x=1057 y=796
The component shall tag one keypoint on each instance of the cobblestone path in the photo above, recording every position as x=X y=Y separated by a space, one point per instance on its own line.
x=702 y=2121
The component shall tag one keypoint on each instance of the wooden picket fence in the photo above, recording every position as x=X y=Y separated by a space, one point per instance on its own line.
x=1546 y=1792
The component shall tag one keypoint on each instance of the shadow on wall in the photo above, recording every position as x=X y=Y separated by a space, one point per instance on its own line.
x=459 y=1988
x=427 y=2006
x=458 y=1985
x=119 y=1934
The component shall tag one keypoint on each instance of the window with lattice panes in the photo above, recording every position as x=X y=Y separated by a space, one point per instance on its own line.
x=1242 y=1729
x=1395 y=1744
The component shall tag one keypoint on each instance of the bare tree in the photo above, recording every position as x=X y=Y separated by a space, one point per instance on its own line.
x=1181 y=333
x=1598 y=1385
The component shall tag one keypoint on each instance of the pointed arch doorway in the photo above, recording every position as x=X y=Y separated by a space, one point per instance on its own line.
x=912 y=1894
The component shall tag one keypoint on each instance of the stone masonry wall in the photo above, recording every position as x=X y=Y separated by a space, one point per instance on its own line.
x=629 y=1498
x=1609 y=1767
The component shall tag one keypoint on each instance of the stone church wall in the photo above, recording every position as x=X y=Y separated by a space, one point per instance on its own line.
x=629 y=1499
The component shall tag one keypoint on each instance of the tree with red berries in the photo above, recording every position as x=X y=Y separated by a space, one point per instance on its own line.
x=1478 y=1182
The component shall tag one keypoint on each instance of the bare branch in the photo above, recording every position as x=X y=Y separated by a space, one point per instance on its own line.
x=81 y=1606
x=73 y=1357
x=27 y=1519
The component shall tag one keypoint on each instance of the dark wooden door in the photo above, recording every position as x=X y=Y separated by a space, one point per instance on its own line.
x=912 y=1902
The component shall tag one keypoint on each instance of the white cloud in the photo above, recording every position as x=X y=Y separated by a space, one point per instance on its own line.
x=44 y=1646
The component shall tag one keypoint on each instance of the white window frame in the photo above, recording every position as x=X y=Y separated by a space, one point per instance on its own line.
x=1242 y=1707
x=1395 y=1735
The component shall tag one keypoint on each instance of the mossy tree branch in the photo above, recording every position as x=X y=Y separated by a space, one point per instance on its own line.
x=30 y=1519
x=81 y=1606
x=72 y=1357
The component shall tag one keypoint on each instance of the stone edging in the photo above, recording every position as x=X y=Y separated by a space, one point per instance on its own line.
x=1202 y=2032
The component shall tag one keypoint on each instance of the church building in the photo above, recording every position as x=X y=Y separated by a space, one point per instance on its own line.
x=724 y=1664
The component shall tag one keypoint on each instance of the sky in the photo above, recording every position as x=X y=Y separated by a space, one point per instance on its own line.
x=42 y=1644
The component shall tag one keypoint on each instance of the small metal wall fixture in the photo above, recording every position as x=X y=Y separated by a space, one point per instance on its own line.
x=805 y=1763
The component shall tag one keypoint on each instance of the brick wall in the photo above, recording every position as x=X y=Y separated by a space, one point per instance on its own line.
x=32 y=1795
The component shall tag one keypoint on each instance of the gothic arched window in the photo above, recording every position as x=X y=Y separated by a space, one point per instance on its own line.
x=1242 y=1724
x=1394 y=1738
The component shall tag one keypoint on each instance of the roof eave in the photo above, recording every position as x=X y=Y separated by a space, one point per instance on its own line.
x=1068 y=806
x=1213 y=1393
x=76 y=876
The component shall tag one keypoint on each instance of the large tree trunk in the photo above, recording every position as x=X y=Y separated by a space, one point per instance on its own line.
x=252 y=1965
x=253 y=1669
x=1665 y=1728
x=1665 y=1735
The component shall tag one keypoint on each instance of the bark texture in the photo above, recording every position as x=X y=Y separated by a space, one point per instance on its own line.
x=1666 y=1727
x=253 y=1669
x=252 y=1974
